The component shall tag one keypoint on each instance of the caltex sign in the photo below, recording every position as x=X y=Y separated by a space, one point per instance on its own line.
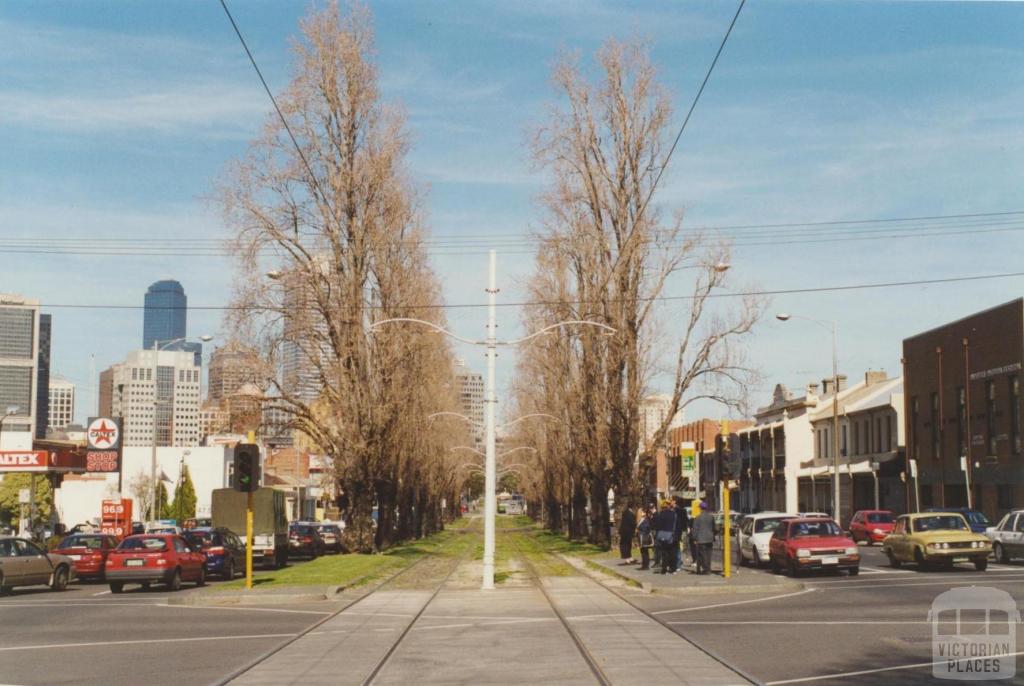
x=24 y=461
x=104 y=445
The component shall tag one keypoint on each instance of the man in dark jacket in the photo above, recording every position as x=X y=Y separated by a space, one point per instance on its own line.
x=682 y=526
x=704 y=538
x=664 y=534
x=627 y=529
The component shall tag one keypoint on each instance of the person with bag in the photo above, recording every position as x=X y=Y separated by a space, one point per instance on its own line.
x=646 y=538
x=704 y=537
x=627 y=528
x=664 y=535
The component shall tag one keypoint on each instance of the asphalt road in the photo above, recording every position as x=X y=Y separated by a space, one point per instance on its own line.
x=868 y=629
x=85 y=635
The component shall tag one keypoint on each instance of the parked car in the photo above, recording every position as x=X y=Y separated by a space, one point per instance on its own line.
x=805 y=543
x=1007 y=536
x=331 y=533
x=305 y=540
x=162 y=527
x=720 y=521
x=814 y=514
x=155 y=558
x=976 y=520
x=23 y=563
x=755 y=534
x=224 y=550
x=940 y=538
x=871 y=526
x=88 y=552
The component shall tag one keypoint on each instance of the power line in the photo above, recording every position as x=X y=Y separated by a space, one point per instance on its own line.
x=298 y=149
x=528 y=303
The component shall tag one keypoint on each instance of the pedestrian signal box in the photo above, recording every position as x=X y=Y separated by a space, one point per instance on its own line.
x=247 y=467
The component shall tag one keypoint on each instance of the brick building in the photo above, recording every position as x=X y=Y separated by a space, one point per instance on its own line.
x=962 y=399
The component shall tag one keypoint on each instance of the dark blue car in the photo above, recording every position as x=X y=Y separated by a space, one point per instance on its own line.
x=225 y=552
x=976 y=520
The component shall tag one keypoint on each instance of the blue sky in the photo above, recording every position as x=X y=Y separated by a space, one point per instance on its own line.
x=116 y=119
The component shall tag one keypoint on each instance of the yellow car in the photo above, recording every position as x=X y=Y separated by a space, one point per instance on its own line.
x=936 y=538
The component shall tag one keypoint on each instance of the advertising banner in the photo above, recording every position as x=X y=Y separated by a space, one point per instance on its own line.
x=24 y=461
x=104 y=445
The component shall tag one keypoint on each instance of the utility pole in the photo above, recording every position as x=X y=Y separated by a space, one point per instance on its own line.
x=490 y=468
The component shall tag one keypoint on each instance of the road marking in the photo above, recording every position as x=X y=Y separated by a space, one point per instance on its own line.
x=948 y=582
x=812 y=622
x=97 y=605
x=139 y=642
x=496 y=623
x=101 y=593
x=247 y=609
x=738 y=602
x=917 y=665
x=375 y=614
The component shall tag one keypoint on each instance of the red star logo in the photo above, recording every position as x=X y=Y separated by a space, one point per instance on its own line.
x=104 y=433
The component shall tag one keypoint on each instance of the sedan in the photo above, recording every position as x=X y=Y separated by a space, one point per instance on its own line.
x=1008 y=536
x=807 y=543
x=755 y=535
x=331 y=533
x=23 y=563
x=225 y=552
x=305 y=540
x=936 y=538
x=871 y=526
x=155 y=558
x=88 y=552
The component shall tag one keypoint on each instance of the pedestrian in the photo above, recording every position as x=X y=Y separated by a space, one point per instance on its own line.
x=664 y=535
x=682 y=526
x=627 y=529
x=704 y=537
x=646 y=538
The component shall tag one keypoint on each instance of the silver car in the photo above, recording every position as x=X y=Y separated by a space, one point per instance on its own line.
x=1007 y=536
x=23 y=563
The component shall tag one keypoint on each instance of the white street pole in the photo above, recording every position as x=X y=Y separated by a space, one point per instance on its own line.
x=490 y=496
x=156 y=408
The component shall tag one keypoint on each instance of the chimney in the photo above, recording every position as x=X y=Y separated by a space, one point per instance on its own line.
x=812 y=389
x=826 y=384
x=873 y=377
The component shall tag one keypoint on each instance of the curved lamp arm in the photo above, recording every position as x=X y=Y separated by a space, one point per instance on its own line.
x=435 y=327
x=522 y=447
x=452 y=414
x=472 y=450
x=528 y=416
x=582 y=322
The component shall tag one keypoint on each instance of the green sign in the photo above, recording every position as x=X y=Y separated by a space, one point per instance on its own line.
x=688 y=463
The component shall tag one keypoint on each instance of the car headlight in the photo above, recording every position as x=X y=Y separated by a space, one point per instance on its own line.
x=803 y=552
x=877 y=531
x=851 y=551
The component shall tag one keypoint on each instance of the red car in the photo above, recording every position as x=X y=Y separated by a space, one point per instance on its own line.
x=155 y=558
x=807 y=543
x=871 y=526
x=89 y=553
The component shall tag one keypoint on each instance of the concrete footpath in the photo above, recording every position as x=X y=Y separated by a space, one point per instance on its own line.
x=505 y=636
x=686 y=582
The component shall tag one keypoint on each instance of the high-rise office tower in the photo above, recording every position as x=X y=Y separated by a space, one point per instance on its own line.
x=160 y=387
x=62 y=402
x=165 y=318
x=19 y=358
x=43 y=376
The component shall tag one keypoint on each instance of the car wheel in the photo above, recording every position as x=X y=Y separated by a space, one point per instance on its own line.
x=981 y=564
x=854 y=571
x=201 y=580
x=893 y=562
x=229 y=570
x=776 y=569
x=175 y=583
x=4 y=590
x=756 y=562
x=1000 y=553
x=794 y=570
x=145 y=585
x=116 y=586
x=919 y=559
x=743 y=559
x=60 y=579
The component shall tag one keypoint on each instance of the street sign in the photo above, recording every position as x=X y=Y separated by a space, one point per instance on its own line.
x=24 y=496
x=103 y=439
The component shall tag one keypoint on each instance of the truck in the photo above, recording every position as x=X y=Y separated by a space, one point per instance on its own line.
x=269 y=522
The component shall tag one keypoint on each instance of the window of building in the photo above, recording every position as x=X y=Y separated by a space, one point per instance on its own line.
x=936 y=447
x=915 y=451
x=961 y=420
x=844 y=441
x=135 y=373
x=878 y=434
x=1004 y=496
x=990 y=415
x=1015 y=414
x=888 y=433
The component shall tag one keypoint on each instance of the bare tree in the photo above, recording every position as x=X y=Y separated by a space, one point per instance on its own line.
x=329 y=242
x=613 y=254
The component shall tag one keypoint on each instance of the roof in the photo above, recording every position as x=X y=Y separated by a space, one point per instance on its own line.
x=880 y=395
x=847 y=395
x=1019 y=302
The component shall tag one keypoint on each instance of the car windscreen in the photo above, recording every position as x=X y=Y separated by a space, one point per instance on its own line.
x=766 y=525
x=303 y=530
x=144 y=543
x=90 y=542
x=204 y=537
x=331 y=529
x=821 y=528
x=978 y=518
x=880 y=518
x=950 y=522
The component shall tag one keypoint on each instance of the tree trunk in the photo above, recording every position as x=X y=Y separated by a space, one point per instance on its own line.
x=600 y=524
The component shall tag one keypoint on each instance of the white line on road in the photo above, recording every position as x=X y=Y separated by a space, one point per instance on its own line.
x=375 y=614
x=151 y=640
x=738 y=602
x=96 y=605
x=974 y=581
x=247 y=609
x=101 y=593
x=917 y=665
x=811 y=622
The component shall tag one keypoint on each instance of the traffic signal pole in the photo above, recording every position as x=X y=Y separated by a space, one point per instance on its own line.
x=248 y=541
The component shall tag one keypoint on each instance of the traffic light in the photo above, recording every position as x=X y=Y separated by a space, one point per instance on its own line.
x=247 y=467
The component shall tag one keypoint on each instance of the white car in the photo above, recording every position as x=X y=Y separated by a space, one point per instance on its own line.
x=754 y=535
x=1007 y=536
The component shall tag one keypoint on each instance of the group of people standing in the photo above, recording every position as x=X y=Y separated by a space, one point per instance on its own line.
x=662 y=532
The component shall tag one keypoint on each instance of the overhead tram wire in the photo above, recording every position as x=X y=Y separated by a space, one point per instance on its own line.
x=660 y=298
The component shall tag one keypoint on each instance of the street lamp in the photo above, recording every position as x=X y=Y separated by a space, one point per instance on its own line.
x=784 y=316
x=157 y=347
x=491 y=343
x=10 y=412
